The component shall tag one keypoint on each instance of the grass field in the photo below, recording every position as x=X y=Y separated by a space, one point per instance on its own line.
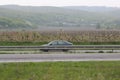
x=77 y=37
x=41 y=43
x=22 y=43
x=61 y=71
x=31 y=38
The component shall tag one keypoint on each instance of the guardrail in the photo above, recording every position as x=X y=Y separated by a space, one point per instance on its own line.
x=73 y=47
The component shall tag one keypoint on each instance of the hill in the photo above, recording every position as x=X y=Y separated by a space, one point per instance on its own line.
x=92 y=8
x=29 y=17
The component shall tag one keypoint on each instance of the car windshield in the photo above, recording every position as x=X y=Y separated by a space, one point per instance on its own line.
x=53 y=43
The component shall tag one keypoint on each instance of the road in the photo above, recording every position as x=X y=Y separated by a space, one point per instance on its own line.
x=59 y=57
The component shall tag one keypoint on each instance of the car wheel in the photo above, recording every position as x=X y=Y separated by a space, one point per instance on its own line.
x=44 y=50
x=64 y=50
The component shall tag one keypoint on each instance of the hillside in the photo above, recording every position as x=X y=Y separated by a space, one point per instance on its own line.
x=92 y=8
x=29 y=17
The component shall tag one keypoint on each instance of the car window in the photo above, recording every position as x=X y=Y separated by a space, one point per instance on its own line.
x=67 y=43
x=54 y=43
x=61 y=43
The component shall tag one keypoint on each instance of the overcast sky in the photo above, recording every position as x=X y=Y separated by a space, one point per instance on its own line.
x=112 y=3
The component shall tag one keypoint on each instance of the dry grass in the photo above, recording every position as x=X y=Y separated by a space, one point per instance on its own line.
x=73 y=36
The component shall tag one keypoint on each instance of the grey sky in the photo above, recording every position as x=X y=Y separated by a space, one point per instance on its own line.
x=113 y=3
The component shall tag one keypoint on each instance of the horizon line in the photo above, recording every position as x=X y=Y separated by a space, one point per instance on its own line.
x=60 y=6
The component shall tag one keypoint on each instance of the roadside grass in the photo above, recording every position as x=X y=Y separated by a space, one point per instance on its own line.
x=96 y=43
x=93 y=70
x=41 y=43
x=22 y=43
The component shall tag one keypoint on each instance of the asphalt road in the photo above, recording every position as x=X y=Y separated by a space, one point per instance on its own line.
x=59 y=57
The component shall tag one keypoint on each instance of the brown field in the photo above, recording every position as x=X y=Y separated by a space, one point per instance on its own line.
x=73 y=36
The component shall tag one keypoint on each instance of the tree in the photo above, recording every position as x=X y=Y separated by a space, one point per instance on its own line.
x=98 y=26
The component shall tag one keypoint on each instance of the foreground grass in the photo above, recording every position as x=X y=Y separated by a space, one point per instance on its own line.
x=61 y=71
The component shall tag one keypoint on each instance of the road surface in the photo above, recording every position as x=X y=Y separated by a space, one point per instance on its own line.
x=59 y=57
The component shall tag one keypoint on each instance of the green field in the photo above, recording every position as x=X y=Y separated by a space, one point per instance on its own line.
x=22 y=43
x=61 y=71
x=41 y=43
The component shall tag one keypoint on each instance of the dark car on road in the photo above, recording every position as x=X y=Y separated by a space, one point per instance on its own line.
x=57 y=45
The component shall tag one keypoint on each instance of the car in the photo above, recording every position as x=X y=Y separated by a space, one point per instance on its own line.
x=57 y=43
